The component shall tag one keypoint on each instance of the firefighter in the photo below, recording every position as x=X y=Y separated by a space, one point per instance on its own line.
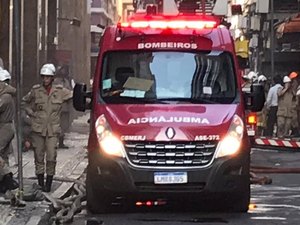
x=294 y=126
x=63 y=78
x=43 y=105
x=261 y=116
x=26 y=128
x=296 y=117
x=286 y=108
x=6 y=178
x=6 y=130
x=7 y=109
x=298 y=107
x=250 y=78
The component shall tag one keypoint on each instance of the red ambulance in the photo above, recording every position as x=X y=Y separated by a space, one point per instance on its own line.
x=167 y=115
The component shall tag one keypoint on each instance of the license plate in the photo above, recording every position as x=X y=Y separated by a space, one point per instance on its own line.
x=170 y=178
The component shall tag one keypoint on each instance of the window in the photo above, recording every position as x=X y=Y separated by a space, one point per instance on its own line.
x=168 y=76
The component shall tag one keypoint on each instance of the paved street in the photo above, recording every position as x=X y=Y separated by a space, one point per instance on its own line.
x=278 y=203
x=170 y=88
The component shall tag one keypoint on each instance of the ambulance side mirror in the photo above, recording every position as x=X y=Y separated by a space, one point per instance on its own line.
x=80 y=96
x=255 y=100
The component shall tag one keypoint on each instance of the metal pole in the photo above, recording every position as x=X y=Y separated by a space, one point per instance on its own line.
x=17 y=6
x=22 y=45
x=10 y=36
x=272 y=37
x=38 y=38
x=44 y=16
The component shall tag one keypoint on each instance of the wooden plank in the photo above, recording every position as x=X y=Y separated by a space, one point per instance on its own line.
x=80 y=168
x=34 y=220
x=66 y=186
x=62 y=190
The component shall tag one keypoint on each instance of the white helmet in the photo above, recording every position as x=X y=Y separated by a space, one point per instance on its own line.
x=251 y=76
x=261 y=78
x=48 y=70
x=286 y=79
x=4 y=75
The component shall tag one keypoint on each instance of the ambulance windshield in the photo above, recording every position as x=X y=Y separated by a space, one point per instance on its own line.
x=168 y=76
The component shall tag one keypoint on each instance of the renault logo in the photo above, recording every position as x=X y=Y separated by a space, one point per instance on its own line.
x=170 y=132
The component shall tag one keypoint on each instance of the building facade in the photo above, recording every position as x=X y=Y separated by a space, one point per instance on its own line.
x=272 y=49
x=103 y=13
x=125 y=8
x=51 y=31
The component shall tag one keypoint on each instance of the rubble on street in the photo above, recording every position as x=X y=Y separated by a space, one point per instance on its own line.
x=71 y=164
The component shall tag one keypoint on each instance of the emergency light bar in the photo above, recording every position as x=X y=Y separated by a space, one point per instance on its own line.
x=170 y=23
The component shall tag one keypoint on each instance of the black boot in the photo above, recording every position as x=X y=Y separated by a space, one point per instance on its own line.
x=9 y=182
x=41 y=180
x=61 y=143
x=47 y=187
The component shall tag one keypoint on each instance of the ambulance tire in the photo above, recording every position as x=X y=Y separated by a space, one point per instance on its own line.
x=97 y=202
x=241 y=201
x=252 y=141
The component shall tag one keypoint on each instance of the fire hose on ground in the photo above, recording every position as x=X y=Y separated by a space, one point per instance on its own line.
x=65 y=209
x=68 y=207
x=255 y=169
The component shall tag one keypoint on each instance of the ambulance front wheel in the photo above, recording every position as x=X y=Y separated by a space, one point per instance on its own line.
x=241 y=201
x=97 y=202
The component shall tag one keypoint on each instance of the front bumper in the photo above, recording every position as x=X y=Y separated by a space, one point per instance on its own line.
x=115 y=175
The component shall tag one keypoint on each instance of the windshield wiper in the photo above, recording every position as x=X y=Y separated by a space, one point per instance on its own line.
x=127 y=99
x=190 y=100
x=122 y=99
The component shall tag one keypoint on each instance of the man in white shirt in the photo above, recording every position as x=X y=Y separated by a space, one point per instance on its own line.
x=272 y=105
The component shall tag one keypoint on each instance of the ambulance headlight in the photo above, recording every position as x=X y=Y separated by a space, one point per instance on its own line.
x=109 y=143
x=231 y=143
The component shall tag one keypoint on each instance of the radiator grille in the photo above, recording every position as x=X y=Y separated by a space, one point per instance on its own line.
x=170 y=154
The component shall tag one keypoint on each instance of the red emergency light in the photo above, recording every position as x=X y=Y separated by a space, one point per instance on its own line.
x=150 y=203
x=170 y=22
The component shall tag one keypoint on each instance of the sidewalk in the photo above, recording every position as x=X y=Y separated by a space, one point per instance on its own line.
x=71 y=163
